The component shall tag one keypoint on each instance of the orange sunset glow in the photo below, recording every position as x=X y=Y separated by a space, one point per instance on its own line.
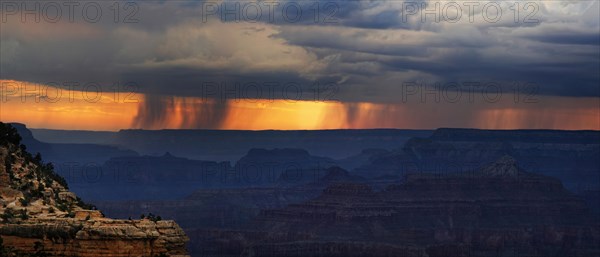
x=76 y=110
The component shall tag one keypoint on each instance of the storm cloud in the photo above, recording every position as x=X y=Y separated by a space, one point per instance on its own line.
x=369 y=49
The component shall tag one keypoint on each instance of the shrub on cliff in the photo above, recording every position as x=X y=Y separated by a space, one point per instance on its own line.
x=7 y=216
x=24 y=201
x=151 y=217
x=84 y=205
x=10 y=138
x=43 y=174
x=23 y=214
x=9 y=135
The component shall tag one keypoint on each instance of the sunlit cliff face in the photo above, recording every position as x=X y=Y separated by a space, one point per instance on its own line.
x=48 y=107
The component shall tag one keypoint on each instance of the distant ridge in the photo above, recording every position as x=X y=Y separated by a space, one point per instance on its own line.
x=521 y=135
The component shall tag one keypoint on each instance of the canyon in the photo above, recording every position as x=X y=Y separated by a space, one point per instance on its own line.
x=498 y=210
x=448 y=192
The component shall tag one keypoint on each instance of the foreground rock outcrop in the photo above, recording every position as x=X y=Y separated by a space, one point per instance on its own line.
x=40 y=216
x=95 y=237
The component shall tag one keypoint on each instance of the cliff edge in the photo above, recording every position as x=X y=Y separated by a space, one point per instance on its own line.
x=40 y=216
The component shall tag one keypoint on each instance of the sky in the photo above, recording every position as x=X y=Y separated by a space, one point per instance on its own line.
x=109 y=65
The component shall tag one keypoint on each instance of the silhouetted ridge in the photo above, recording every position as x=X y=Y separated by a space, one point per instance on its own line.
x=530 y=135
x=70 y=153
x=571 y=156
x=336 y=174
x=285 y=152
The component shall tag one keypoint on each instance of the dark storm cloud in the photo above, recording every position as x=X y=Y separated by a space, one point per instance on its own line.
x=560 y=76
x=156 y=111
x=368 y=51
x=221 y=86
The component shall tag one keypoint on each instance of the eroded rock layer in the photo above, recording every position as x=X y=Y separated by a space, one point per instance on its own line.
x=40 y=216
x=499 y=210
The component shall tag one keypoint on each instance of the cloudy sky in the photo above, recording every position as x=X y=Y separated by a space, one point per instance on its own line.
x=301 y=64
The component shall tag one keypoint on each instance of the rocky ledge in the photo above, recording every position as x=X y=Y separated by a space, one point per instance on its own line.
x=95 y=237
x=39 y=216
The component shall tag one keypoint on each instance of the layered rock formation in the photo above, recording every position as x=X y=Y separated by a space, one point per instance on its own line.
x=499 y=210
x=168 y=177
x=95 y=237
x=39 y=215
x=232 y=144
x=571 y=156
x=70 y=152
x=148 y=177
x=207 y=211
x=280 y=167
